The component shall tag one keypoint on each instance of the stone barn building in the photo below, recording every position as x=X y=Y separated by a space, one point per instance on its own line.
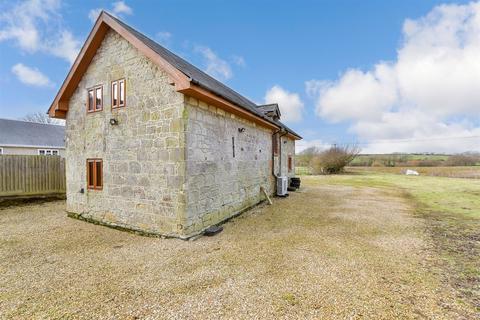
x=155 y=145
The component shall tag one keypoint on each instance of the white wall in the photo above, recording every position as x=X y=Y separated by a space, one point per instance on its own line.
x=27 y=150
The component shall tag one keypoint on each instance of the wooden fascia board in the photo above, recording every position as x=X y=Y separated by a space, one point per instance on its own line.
x=90 y=47
x=210 y=98
x=74 y=75
x=294 y=137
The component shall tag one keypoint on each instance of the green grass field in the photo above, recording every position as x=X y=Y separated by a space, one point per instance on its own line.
x=438 y=194
x=434 y=157
x=471 y=172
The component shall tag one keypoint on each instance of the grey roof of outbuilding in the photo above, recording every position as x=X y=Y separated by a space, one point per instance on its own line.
x=199 y=77
x=272 y=107
x=23 y=133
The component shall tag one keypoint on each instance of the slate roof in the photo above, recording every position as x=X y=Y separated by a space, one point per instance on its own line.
x=199 y=77
x=273 y=107
x=23 y=133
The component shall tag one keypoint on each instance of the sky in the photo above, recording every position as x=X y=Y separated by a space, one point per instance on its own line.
x=389 y=76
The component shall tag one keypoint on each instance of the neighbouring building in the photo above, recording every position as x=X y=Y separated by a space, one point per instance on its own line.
x=30 y=138
x=154 y=144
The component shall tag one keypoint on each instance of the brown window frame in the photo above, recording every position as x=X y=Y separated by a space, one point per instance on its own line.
x=95 y=185
x=275 y=144
x=290 y=163
x=94 y=90
x=117 y=82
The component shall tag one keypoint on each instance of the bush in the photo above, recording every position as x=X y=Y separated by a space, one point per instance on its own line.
x=333 y=160
x=461 y=160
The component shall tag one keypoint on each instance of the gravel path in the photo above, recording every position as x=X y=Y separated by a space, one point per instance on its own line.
x=325 y=252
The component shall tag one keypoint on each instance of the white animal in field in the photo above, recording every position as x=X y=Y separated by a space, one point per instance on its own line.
x=411 y=173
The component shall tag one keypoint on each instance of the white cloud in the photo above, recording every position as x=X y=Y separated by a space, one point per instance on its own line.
x=37 y=26
x=31 y=76
x=120 y=7
x=93 y=14
x=428 y=92
x=19 y=23
x=164 y=37
x=290 y=104
x=66 y=46
x=215 y=66
x=239 y=60
x=301 y=145
x=368 y=95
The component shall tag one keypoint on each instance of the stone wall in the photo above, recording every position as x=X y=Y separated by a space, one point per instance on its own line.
x=168 y=166
x=288 y=149
x=143 y=156
x=221 y=183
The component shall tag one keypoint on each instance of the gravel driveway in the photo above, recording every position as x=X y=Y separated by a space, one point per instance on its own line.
x=324 y=252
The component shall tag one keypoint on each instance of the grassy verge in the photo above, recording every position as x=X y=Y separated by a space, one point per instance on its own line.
x=451 y=210
x=451 y=172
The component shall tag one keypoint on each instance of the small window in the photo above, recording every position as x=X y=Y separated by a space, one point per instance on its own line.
x=290 y=163
x=95 y=99
x=91 y=100
x=118 y=93
x=47 y=152
x=275 y=144
x=95 y=174
x=233 y=146
x=98 y=99
x=121 y=85
x=114 y=94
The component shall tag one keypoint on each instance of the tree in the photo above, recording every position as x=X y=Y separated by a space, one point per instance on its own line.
x=40 y=117
x=303 y=158
x=334 y=160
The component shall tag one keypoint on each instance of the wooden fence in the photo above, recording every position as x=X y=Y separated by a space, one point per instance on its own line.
x=24 y=176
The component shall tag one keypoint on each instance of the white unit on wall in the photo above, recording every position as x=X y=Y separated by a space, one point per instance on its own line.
x=282 y=185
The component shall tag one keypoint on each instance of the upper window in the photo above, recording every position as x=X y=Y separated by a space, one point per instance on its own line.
x=118 y=93
x=290 y=163
x=47 y=152
x=95 y=174
x=95 y=99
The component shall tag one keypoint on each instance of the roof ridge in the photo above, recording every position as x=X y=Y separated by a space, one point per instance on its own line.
x=186 y=77
x=179 y=57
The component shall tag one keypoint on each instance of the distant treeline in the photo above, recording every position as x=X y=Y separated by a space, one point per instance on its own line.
x=303 y=159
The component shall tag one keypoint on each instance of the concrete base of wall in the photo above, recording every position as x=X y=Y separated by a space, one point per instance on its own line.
x=140 y=232
x=125 y=228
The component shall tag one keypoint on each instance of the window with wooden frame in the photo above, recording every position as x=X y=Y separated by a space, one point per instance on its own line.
x=95 y=174
x=275 y=144
x=95 y=99
x=118 y=93
x=290 y=163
